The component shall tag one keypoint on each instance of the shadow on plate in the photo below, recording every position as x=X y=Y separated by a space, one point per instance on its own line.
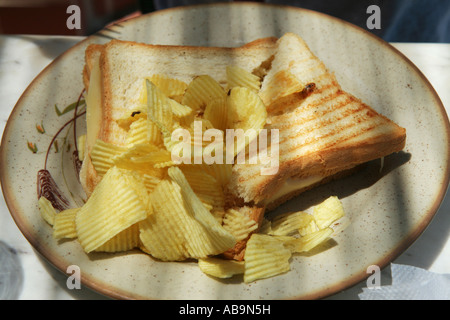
x=366 y=175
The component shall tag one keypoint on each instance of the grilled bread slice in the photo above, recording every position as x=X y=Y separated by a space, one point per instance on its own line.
x=323 y=130
x=119 y=68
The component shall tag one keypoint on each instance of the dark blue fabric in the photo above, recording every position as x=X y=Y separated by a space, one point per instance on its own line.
x=419 y=21
x=401 y=20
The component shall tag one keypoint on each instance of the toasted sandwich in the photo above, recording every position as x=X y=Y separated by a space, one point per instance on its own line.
x=324 y=131
x=113 y=75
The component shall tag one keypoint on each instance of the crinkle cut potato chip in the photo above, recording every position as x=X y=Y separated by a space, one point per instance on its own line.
x=64 y=226
x=307 y=242
x=287 y=223
x=163 y=234
x=218 y=235
x=143 y=131
x=328 y=211
x=137 y=133
x=221 y=268
x=167 y=91
x=222 y=172
x=142 y=157
x=159 y=110
x=238 y=77
x=150 y=182
x=160 y=113
x=102 y=154
x=246 y=112
x=265 y=256
x=48 y=213
x=125 y=240
x=201 y=90
x=154 y=134
x=179 y=110
x=113 y=206
x=238 y=224
x=282 y=84
x=169 y=86
x=174 y=233
x=216 y=113
x=204 y=185
x=296 y=232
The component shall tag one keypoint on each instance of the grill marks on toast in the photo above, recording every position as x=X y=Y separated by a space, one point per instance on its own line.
x=321 y=120
x=325 y=122
x=321 y=123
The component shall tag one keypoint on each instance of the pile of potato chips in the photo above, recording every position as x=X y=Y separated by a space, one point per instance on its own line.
x=174 y=211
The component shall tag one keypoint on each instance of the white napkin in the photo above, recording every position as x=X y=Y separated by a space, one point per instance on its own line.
x=411 y=283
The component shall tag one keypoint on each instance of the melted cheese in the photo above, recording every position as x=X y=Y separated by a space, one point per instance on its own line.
x=93 y=106
x=291 y=185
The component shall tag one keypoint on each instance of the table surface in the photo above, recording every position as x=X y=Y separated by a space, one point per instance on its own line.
x=23 y=57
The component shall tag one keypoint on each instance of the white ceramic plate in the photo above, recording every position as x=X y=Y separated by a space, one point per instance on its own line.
x=388 y=209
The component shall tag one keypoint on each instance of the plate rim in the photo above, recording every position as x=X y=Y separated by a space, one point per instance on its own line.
x=117 y=293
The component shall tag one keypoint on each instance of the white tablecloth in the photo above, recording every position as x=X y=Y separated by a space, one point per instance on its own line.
x=23 y=57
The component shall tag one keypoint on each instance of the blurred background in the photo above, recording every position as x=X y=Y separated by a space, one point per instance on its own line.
x=401 y=20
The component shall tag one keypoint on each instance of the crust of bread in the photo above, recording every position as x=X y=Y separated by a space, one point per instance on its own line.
x=93 y=52
x=88 y=176
x=256 y=213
